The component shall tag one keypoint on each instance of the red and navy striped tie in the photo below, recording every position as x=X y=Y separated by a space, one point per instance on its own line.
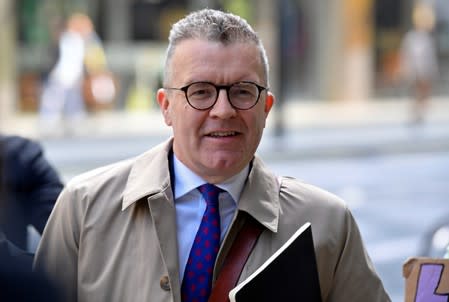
x=197 y=282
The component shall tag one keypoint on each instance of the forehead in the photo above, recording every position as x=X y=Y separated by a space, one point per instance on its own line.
x=201 y=60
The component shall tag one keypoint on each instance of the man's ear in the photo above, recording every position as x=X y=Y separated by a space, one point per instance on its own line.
x=164 y=104
x=269 y=101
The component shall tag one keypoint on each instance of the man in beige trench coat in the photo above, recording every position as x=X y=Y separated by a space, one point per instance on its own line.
x=124 y=232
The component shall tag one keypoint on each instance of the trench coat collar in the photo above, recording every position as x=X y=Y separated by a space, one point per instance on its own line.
x=150 y=175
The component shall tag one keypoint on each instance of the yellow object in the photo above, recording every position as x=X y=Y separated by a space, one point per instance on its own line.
x=139 y=99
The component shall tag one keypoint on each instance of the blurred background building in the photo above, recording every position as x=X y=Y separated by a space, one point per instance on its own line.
x=340 y=50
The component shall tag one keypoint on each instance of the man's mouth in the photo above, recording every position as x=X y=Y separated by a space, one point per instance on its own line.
x=222 y=134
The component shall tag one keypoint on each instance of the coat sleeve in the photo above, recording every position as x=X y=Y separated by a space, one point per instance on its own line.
x=345 y=269
x=57 y=253
x=355 y=278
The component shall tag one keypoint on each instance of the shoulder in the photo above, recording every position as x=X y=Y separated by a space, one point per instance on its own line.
x=301 y=202
x=331 y=219
x=95 y=196
x=115 y=173
x=294 y=197
x=300 y=191
x=20 y=153
x=97 y=179
x=110 y=182
x=107 y=188
x=19 y=146
x=93 y=193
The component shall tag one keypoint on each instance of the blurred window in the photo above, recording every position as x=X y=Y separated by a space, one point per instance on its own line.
x=388 y=13
x=151 y=20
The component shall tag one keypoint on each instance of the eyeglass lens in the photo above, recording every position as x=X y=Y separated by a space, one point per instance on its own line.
x=241 y=95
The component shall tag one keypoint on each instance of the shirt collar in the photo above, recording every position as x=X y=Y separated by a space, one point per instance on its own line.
x=186 y=180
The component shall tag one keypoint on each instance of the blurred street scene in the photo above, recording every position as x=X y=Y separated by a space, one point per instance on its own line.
x=344 y=118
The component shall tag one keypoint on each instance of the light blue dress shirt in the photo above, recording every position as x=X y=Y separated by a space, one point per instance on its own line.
x=190 y=206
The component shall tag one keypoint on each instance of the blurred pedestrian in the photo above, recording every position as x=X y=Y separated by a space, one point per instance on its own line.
x=31 y=188
x=419 y=60
x=18 y=282
x=158 y=227
x=80 y=53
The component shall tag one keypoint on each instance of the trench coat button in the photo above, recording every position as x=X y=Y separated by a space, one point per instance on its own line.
x=165 y=283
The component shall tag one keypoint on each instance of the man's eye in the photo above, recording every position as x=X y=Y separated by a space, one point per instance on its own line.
x=201 y=91
x=243 y=91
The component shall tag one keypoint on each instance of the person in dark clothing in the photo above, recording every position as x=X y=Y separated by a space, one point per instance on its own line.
x=31 y=187
x=18 y=282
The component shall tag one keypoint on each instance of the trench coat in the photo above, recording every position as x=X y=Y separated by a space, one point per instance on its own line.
x=112 y=234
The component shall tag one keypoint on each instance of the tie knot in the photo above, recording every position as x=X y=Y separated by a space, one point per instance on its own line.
x=210 y=193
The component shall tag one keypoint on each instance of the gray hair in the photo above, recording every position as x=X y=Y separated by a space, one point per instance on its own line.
x=213 y=25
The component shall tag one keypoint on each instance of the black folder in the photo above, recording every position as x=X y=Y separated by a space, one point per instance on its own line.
x=290 y=274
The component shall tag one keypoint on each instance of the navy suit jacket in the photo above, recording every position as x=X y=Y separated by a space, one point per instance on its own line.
x=31 y=186
x=18 y=282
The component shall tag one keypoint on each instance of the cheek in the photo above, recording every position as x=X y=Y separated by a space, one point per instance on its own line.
x=258 y=128
x=177 y=115
x=186 y=121
x=257 y=121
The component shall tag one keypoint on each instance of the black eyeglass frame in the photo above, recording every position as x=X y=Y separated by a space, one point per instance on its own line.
x=218 y=88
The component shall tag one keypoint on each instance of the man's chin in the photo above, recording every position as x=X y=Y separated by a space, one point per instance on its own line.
x=224 y=168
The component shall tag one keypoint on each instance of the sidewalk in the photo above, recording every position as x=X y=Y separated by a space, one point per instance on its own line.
x=311 y=128
x=358 y=129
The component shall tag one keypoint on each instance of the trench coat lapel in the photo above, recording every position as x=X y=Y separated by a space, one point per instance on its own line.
x=259 y=199
x=163 y=215
x=150 y=179
x=260 y=196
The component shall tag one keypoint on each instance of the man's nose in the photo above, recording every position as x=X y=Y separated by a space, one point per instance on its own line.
x=223 y=108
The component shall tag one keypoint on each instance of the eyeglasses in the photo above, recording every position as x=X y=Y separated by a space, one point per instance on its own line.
x=203 y=95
